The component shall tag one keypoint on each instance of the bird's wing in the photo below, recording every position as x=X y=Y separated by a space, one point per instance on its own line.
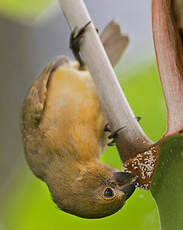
x=35 y=101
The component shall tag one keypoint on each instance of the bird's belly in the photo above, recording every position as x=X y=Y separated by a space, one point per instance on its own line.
x=73 y=113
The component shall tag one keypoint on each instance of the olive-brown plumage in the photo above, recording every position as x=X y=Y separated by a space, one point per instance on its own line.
x=63 y=136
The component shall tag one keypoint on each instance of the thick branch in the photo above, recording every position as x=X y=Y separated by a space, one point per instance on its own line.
x=169 y=57
x=131 y=139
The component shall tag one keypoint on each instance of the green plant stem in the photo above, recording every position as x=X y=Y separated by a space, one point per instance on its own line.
x=167 y=185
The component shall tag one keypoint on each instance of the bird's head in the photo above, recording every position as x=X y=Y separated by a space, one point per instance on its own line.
x=97 y=191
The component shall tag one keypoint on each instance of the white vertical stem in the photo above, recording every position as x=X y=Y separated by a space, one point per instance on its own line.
x=131 y=139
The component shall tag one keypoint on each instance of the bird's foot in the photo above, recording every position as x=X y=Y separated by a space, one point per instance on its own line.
x=113 y=135
x=75 y=42
x=107 y=128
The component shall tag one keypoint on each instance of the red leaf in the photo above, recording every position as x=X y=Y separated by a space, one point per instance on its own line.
x=169 y=55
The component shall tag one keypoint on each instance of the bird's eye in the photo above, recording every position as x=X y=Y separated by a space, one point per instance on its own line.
x=108 y=193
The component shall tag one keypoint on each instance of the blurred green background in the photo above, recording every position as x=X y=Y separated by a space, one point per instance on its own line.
x=25 y=203
x=23 y=9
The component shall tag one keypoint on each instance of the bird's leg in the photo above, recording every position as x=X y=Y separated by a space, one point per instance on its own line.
x=107 y=128
x=113 y=135
x=75 y=42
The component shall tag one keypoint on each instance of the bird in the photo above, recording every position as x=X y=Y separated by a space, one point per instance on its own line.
x=64 y=133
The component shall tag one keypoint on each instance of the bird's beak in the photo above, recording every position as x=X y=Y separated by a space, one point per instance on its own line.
x=126 y=182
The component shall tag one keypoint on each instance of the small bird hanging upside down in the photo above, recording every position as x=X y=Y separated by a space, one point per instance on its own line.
x=63 y=136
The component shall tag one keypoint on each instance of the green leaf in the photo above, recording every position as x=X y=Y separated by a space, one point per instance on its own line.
x=167 y=186
x=27 y=9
